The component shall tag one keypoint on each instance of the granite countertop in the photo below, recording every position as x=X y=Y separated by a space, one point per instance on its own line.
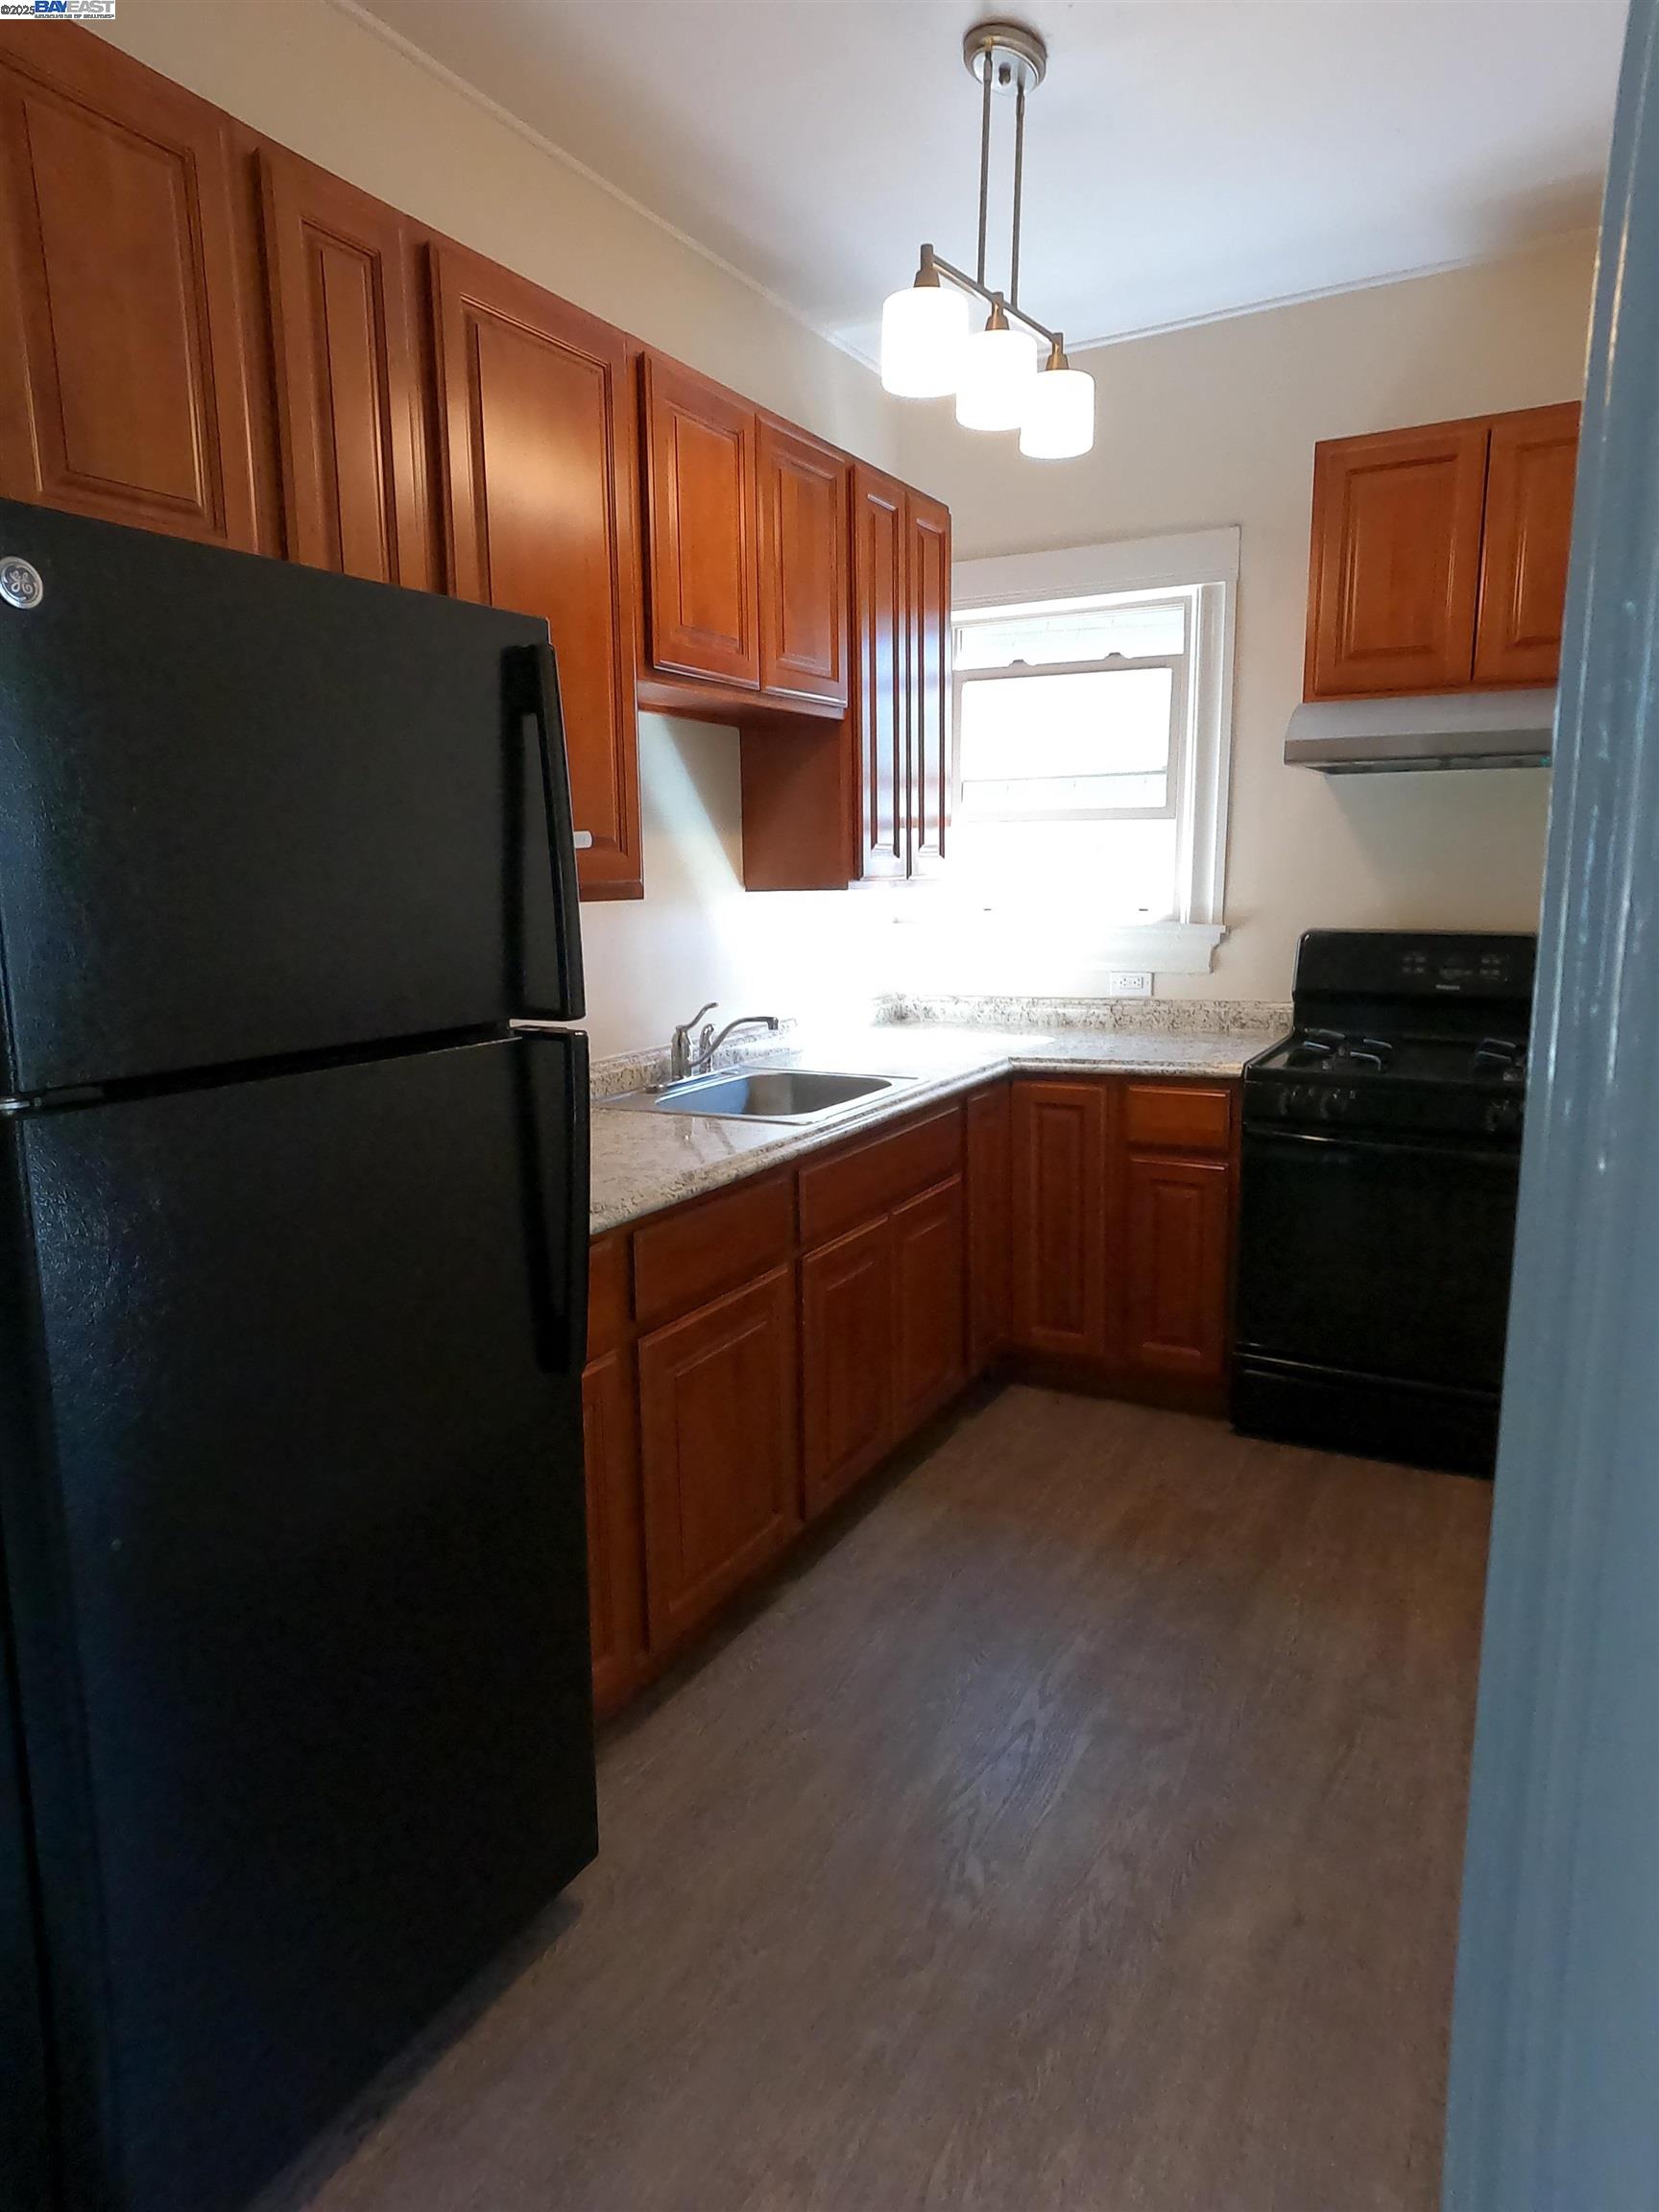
x=643 y=1161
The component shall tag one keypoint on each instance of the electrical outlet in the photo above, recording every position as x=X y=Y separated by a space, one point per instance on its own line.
x=1129 y=983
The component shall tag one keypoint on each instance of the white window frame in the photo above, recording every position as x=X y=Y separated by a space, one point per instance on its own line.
x=1202 y=566
x=1119 y=664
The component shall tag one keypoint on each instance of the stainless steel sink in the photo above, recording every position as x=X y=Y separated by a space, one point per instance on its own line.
x=762 y=1094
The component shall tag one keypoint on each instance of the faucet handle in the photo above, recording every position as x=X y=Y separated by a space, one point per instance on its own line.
x=686 y=1027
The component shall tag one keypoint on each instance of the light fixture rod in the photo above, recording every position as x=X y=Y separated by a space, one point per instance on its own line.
x=1018 y=177
x=984 y=170
x=983 y=291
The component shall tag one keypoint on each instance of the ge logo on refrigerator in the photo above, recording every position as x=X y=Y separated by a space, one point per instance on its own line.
x=20 y=584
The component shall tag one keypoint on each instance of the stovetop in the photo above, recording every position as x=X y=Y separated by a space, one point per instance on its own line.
x=1413 y=1034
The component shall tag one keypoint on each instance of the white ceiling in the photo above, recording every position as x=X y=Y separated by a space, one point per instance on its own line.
x=1186 y=158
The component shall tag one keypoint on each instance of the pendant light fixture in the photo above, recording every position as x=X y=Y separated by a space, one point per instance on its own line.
x=929 y=350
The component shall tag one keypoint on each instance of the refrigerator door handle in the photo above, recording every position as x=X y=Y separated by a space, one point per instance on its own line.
x=543 y=709
x=556 y=1221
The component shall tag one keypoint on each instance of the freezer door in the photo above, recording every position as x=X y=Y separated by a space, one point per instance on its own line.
x=297 y=1566
x=248 y=809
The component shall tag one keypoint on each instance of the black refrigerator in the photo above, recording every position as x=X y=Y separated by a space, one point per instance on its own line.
x=296 y=1730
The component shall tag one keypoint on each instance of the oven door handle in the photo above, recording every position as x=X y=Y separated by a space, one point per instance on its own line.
x=1475 y=1155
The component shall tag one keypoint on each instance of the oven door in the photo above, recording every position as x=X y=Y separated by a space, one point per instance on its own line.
x=1375 y=1256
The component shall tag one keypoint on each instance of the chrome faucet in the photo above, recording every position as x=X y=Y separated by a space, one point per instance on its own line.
x=684 y=1060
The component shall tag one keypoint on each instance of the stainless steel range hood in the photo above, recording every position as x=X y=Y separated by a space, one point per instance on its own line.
x=1453 y=729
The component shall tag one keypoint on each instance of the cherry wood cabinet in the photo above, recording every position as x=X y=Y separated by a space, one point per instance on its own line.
x=1529 y=529
x=123 y=379
x=539 y=482
x=802 y=565
x=881 y=663
x=902 y=677
x=704 y=601
x=1395 y=564
x=990 y=1131
x=929 y=1306
x=929 y=685
x=615 y=1546
x=1439 y=555
x=1175 y=1266
x=1061 y=1257
x=846 y=1367
x=352 y=400
x=718 y=1448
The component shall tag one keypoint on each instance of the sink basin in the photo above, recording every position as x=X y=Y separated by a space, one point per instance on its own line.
x=762 y=1094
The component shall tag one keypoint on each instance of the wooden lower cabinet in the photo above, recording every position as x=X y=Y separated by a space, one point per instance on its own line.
x=615 y=1541
x=846 y=1316
x=1176 y=1218
x=928 y=1362
x=1122 y=1235
x=990 y=1224
x=1060 y=1229
x=718 y=1450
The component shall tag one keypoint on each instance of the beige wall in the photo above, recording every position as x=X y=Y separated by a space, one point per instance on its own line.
x=312 y=76
x=1218 y=426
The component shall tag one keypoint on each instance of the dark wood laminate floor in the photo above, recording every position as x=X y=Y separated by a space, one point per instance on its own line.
x=1081 y=1829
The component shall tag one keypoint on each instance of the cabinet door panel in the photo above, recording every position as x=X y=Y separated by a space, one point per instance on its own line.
x=1524 y=557
x=717 y=1425
x=846 y=1362
x=539 y=470
x=700 y=451
x=615 y=1554
x=990 y=1224
x=929 y=1299
x=353 y=418
x=882 y=655
x=1060 y=1288
x=931 y=658
x=1396 y=561
x=1176 y=1221
x=802 y=566
x=122 y=393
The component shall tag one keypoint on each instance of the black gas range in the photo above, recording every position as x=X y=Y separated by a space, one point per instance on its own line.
x=1377 y=1216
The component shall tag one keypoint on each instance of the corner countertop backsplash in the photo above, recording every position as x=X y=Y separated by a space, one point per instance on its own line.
x=644 y=1162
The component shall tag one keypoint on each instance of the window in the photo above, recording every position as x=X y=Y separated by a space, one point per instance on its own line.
x=1092 y=736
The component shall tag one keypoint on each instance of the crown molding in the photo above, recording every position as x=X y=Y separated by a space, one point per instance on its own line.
x=1546 y=242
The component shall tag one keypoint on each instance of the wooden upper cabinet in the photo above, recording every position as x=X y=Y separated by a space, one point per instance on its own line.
x=351 y=401
x=930 y=658
x=1395 y=569
x=540 y=496
x=802 y=549
x=122 y=377
x=700 y=440
x=880 y=650
x=1529 y=474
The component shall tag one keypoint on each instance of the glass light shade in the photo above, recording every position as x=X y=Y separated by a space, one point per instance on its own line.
x=1059 y=418
x=922 y=331
x=994 y=379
